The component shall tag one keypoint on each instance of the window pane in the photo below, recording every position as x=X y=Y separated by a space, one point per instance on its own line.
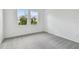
x=34 y=17
x=22 y=16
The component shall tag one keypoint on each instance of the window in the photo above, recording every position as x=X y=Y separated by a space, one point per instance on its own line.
x=34 y=17
x=22 y=16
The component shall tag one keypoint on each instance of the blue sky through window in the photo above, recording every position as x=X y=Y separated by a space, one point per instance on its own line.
x=21 y=12
x=24 y=12
x=34 y=14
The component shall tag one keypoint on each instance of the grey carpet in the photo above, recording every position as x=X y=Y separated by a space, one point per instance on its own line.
x=39 y=41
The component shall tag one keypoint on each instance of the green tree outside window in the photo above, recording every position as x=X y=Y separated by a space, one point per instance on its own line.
x=33 y=21
x=22 y=20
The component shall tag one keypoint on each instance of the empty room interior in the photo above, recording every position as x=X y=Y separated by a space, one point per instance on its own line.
x=39 y=29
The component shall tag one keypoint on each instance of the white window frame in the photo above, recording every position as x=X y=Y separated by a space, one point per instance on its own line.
x=29 y=15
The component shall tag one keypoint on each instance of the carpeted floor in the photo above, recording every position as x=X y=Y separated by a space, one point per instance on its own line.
x=38 y=41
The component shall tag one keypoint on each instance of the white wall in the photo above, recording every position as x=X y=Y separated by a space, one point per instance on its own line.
x=11 y=27
x=64 y=23
x=1 y=25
